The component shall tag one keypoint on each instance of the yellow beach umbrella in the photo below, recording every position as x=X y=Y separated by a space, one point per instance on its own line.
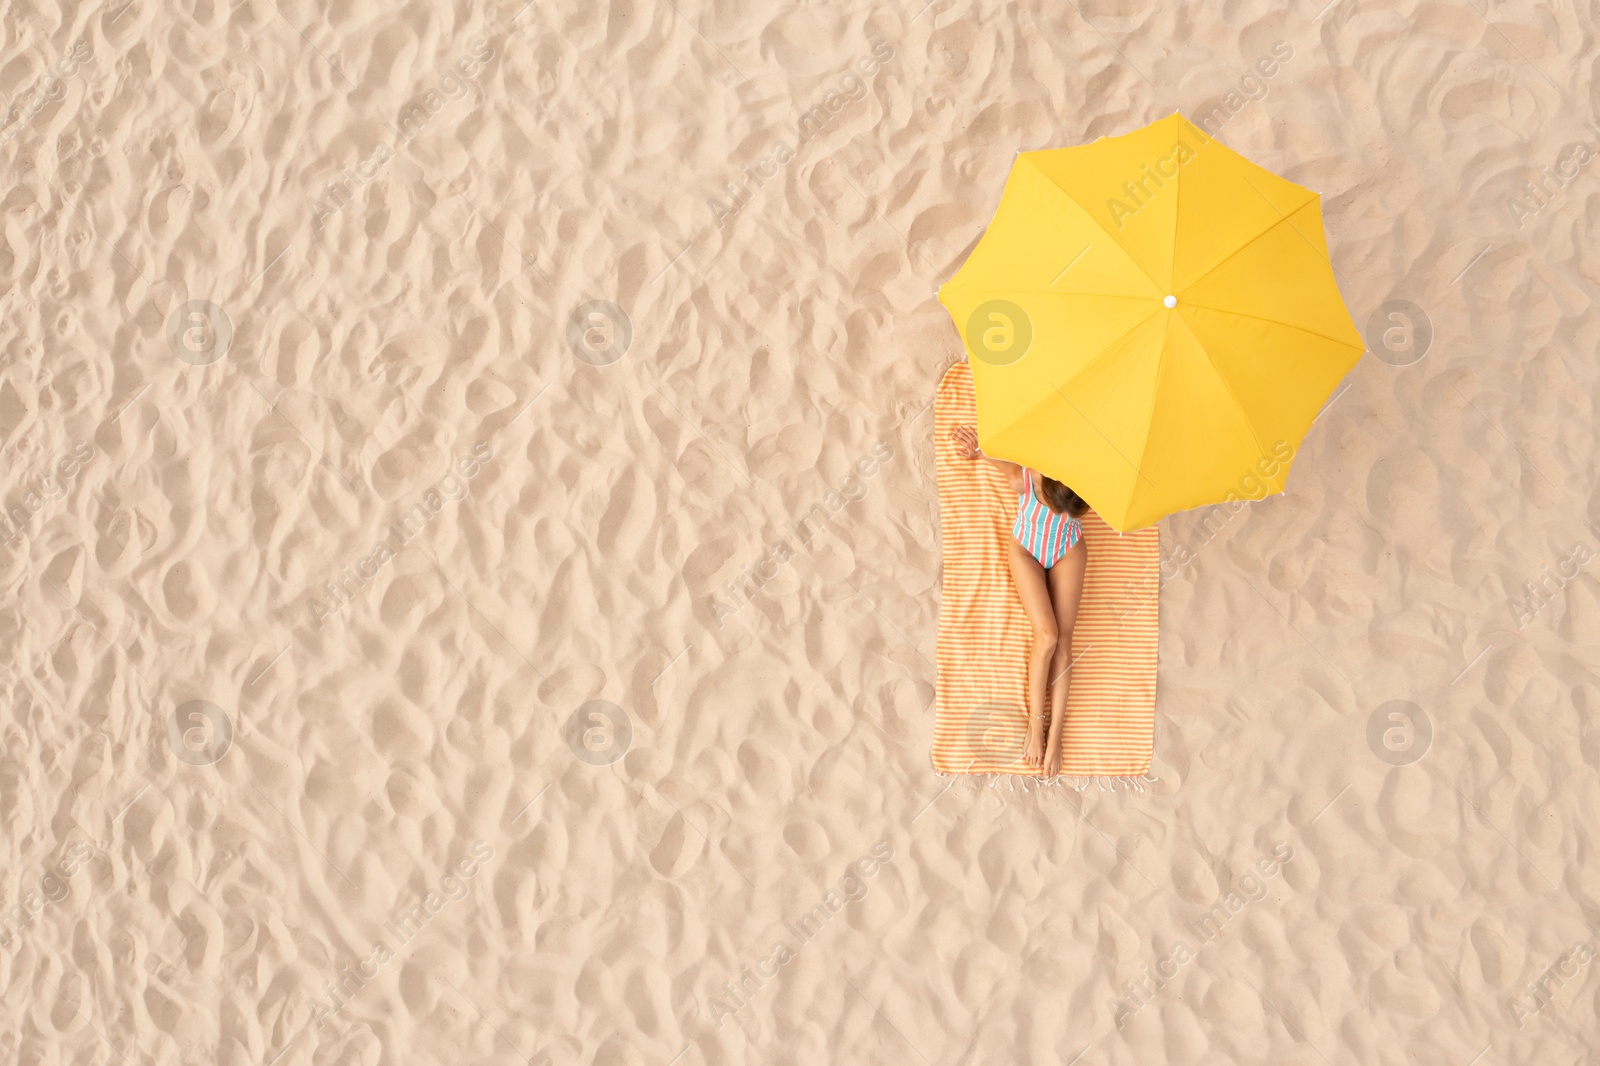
x=1151 y=319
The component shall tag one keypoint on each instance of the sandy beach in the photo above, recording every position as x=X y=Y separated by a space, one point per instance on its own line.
x=472 y=559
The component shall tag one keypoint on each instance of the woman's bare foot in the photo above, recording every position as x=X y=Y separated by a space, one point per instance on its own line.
x=1052 y=754
x=1033 y=751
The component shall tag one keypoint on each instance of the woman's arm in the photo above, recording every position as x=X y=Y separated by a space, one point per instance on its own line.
x=966 y=439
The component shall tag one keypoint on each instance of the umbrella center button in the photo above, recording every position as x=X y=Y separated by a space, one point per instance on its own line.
x=1171 y=301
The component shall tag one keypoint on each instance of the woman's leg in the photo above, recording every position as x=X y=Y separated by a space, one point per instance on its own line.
x=1035 y=593
x=1066 y=589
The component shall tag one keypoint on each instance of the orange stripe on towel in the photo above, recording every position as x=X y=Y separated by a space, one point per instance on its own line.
x=984 y=634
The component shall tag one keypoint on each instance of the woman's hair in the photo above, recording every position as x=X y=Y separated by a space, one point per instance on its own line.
x=1061 y=499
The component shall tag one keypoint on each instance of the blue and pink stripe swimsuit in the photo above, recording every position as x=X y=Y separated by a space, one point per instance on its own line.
x=1045 y=534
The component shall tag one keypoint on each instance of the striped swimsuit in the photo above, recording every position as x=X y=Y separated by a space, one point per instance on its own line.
x=1045 y=534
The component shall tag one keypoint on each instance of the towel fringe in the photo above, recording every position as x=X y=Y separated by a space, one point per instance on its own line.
x=1077 y=782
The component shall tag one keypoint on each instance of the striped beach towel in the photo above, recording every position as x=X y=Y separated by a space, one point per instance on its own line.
x=984 y=635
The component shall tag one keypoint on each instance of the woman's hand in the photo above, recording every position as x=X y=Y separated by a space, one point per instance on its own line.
x=966 y=439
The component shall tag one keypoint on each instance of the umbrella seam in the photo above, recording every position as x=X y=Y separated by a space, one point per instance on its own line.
x=1177 y=218
x=1077 y=374
x=1281 y=221
x=1053 y=292
x=1138 y=471
x=1277 y=322
x=1226 y=384
x=1161 y=365
x=1098 y=224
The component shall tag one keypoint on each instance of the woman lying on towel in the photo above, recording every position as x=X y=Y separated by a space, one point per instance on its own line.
x=1047 y=560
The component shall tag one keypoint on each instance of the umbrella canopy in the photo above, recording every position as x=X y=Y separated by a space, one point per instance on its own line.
x=1152 y=320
